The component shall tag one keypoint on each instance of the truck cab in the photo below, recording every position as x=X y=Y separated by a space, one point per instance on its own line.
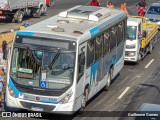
x=133 y=39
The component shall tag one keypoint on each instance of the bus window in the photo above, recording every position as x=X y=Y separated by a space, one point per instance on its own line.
x=90 y=52
x=98 y=51
x=81 y=64
x=113 y=38
x=106 y=43
x=119 y=34
x=124 y=30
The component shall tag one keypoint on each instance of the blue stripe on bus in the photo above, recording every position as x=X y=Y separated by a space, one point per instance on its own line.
x=25 y=33
x=48 y=101
x=16 y=91
x=94 y=68
x=118 y=60
x=94 y=31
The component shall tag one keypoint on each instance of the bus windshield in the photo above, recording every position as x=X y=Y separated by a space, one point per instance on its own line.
x=131 y=32
x=31 y=67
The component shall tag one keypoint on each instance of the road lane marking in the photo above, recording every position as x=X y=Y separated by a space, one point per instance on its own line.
x=123 y=93
x=149 y=63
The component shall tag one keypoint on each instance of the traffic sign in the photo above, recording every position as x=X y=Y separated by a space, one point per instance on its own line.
x=43 y=84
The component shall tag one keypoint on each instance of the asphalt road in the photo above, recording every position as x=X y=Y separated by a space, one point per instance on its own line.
x=141 y=83
x=65 y=4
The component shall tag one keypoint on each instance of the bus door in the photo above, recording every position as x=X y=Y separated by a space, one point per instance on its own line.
x=81 y=70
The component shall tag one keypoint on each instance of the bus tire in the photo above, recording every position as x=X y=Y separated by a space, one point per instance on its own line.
x=84 y=101
x=106 y=87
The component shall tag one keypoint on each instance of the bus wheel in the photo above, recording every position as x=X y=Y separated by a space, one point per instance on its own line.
x=108 y=82
x=84 y=101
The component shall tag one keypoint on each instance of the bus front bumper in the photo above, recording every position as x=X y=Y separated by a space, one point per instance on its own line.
x=66 y=108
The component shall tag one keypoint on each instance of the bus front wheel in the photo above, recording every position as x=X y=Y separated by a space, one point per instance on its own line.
x=84 y=101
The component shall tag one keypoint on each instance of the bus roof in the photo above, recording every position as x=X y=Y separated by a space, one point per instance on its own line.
x=76 y=22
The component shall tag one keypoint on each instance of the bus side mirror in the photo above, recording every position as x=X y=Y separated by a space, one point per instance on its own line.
x=144 y=34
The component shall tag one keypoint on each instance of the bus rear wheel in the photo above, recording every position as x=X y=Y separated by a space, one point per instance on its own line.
x=108 y=82
x=84 y=101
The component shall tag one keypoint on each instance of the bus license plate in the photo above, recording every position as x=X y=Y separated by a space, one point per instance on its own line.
x=37 y=108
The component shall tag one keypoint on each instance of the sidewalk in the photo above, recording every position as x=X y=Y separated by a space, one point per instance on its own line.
x=3 y=63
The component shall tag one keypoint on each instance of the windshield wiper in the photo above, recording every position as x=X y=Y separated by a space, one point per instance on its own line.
x=54 y=59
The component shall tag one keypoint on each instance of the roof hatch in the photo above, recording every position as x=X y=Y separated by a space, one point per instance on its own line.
x=86 y=13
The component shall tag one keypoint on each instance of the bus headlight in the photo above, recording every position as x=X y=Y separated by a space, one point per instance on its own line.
x=11 y=92
x=65 y=99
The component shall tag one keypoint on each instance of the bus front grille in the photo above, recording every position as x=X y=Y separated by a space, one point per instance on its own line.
x=46 y=108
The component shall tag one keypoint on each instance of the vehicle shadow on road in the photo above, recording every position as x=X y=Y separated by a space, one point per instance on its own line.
x=130 y=63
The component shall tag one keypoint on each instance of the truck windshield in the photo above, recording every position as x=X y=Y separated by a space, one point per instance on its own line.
x=154 y=10
x=131 y=32
x=32 y=67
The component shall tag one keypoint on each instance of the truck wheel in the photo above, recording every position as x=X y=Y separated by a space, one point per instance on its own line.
x=52 y=2
x=150 y=48
x=13 y=20
x=84 y=101
x=39 y=11
x=20 y=17
x=156 y=39
x=139 y=58
x=108 y=82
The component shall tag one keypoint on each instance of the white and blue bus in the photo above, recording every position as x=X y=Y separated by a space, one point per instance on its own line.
x=58 y=64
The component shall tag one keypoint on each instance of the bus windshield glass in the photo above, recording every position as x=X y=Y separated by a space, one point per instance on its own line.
x=131 y=32
x=33 y=67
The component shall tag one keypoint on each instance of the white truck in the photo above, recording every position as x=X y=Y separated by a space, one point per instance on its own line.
x=17 y=9
x=140 y=38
